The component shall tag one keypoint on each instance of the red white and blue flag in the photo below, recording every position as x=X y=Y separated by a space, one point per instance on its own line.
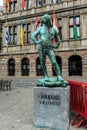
x=23 y=4
x=7 y=35
x=55 y=22
x=55 y=25
x=36 y=23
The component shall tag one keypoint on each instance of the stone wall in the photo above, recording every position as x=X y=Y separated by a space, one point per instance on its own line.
x=32 y=61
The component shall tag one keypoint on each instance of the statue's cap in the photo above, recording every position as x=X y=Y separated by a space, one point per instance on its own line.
x=46 y=16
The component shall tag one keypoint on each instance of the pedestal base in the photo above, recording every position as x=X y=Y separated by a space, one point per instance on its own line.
x=51 y=107
x=51 y=82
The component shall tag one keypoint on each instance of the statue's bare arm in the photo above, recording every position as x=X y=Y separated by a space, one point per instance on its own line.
x=34 y=36
x=57 y=37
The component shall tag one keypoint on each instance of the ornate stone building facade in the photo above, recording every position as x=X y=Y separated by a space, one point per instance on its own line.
x=71 y=55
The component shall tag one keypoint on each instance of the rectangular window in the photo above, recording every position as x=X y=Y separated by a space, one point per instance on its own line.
x=27 y=4
x=13 y=6
x=13 y=35
x=10 y=7
x=56 y=1
x=60 y=28
x=71 y=26
x=40 y=3
x=27 y=33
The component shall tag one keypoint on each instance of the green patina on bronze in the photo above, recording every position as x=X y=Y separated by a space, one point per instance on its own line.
x=46 y=34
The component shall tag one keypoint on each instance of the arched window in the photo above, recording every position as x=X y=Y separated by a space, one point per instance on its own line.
x=38 y=68
x=59 y=61
x=25 y=67
x=11 y=67
x=75 y=65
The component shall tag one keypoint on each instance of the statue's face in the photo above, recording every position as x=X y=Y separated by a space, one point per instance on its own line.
x=46 y=19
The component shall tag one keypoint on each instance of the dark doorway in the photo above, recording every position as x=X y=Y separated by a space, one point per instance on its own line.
x=25 y=67
x=75 y=65
x=38 y=68
x=11 y=67
x=59 y=61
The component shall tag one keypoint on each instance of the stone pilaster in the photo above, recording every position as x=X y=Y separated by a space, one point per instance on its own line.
x=65 y=67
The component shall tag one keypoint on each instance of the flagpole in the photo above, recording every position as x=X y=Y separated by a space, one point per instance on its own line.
x=20 y=30
x=75 y=34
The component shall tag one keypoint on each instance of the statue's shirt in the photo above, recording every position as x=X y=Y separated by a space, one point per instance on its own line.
x=47 y=35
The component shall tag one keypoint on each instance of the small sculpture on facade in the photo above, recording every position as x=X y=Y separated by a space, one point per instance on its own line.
x=46 y=34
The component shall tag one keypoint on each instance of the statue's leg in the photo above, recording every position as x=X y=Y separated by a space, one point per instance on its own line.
x=55 y=65
x=42 y=56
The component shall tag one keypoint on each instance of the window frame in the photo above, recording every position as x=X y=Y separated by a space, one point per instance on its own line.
x=60 y=28
x=26 y=33
x=41 y=5
x=13 y=34
x=72 y=26
x=56 y=1
x=13 y=6
x=27 y=5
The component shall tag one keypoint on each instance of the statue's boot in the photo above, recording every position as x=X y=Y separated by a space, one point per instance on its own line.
x=46 y=78
x=59 y=78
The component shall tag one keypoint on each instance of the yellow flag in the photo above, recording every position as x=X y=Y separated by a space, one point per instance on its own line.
x=22 y=34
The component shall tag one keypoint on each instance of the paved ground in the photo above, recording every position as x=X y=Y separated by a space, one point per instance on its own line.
x=16 y=110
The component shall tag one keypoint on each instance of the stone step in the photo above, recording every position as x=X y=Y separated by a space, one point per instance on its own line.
x=20 y=82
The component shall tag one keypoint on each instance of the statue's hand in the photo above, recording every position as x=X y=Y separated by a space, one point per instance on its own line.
x=38 y=41
x=55 y=45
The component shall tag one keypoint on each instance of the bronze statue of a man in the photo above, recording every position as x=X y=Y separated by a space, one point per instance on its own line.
x=46 y=34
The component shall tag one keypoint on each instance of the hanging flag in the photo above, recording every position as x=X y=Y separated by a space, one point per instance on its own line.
x=22 y=32
x=23 y=4
x=36 y=23
x=55 y=24
x=7 y=36
x=6 y=4
x=9 y=1
x=75 y=34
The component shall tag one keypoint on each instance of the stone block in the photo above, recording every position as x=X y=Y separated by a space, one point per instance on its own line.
x=51 y=107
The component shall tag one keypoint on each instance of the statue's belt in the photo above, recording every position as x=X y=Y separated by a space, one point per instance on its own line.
x=47 y=46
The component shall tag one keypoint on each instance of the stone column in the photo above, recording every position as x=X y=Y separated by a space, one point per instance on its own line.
x=32 y=67
x=3 y=34
x=83 y=1
x=48 y=2
x=32 y=22
x=65 y=31
x=33 y=3
x=18 y=38
x=19 y=4
x=83 y=29
x=83 y=26
x=33 y=47
x=18 y=66
x=65 y=67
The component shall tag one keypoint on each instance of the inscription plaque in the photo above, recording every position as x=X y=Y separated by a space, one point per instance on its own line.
x=51 y=107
